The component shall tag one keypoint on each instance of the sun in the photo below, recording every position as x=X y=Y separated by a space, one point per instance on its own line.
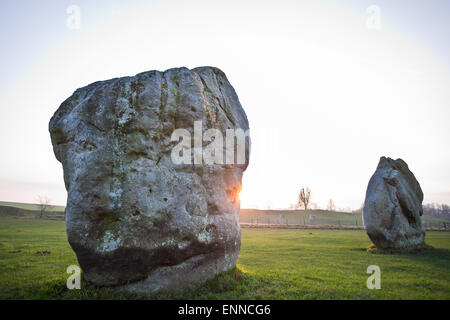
x=235 y=194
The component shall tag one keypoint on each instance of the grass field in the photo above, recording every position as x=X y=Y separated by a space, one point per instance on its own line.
x=29 y=210
x=322 y=217
x=273 y=264
x=29 y=206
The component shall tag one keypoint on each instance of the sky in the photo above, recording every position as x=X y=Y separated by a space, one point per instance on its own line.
x=328 y=86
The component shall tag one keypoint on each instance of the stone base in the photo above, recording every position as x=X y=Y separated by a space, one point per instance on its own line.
x=387 y=239
x=188 y=274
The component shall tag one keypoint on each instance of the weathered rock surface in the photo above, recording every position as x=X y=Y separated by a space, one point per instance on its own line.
x=134 y=218
x=393 y=206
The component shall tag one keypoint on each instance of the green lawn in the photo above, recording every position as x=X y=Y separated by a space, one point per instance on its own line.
x=273 y=264
x=322 y=217
x=30 y=206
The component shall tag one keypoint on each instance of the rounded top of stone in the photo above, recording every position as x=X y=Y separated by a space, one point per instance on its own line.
x=398 y=164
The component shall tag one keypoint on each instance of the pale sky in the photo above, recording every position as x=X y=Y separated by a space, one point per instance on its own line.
x=326 y=95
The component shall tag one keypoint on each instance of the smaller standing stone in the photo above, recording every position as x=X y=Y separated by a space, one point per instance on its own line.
x=393 y=207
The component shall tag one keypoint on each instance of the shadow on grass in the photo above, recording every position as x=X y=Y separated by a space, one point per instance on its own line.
x=428 y=254
x=434 y=256
x=233 y=284
x=48 y=290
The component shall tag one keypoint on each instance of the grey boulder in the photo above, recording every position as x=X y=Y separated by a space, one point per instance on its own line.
x=134 y=218
x=393 y=207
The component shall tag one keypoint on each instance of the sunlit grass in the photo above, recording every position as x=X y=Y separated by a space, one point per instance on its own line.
x=273 y=264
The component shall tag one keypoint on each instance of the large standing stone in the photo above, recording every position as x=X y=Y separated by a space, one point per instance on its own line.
x=133 y=217
x=393 y=206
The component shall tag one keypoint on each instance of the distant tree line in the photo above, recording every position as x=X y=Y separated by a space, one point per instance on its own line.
x=304 y=201
x=429 y=209
x=437 y=210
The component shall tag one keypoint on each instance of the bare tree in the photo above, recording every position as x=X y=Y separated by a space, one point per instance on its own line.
x=445 y=209
x=331 y=206
x=304 y=197
x=44 y=204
